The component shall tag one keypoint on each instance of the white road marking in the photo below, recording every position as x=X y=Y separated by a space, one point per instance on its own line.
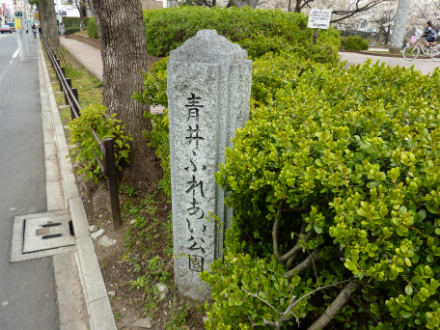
x=15 y=54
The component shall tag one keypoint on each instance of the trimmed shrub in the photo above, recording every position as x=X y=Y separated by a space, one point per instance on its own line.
x=337 y=179
x=356 y=43
x=92 y=28
x=258 y=31
x=73 y=29
x=74 y=21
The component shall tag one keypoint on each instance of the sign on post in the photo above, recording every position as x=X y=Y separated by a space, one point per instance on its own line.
x=319 y=18
x=209 y=87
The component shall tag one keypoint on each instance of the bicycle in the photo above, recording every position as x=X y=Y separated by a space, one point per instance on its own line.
x=412 y=51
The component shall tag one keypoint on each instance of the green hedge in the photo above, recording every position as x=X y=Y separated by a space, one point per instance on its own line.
x=73 y=29
x=352 y=156
x=258 y=31
x=355 y=43
x=92 y=28
x=74 y=21
x=346 y=162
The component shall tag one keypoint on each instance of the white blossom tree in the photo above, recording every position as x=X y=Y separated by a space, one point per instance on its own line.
x=383 y=17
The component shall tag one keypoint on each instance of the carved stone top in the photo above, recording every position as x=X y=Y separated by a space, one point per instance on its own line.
x=208 y=42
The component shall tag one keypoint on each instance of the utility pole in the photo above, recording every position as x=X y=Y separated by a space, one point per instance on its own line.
x=399 y=26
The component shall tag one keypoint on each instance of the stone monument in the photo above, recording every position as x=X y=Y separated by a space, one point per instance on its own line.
x=209 y=87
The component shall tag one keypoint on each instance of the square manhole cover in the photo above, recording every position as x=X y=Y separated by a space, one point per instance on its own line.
x=48 y=232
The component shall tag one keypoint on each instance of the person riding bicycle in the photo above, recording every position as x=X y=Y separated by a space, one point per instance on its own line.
x=429 y=34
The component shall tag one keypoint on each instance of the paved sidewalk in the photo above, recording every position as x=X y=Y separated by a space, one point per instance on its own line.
x=425 y=66
x=90 y=58
x=87 y=55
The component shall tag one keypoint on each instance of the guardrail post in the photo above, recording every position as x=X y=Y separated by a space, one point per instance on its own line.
x=75 y=93
x=69 y=83
x=112 y=183
x=64 y=74
x=56 y=60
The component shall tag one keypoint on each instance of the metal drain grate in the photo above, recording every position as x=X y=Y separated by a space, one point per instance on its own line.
x=47 y=232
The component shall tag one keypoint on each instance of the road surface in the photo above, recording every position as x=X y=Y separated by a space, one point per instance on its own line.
x=425 y=66
x=27 y=289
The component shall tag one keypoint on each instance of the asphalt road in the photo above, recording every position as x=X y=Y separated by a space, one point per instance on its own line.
x=425 y=66
x=27 y=289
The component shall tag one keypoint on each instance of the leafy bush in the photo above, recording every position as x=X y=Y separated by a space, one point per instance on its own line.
x=73 y=29
x=258 y=31
x=155 y=93
x=232 y=283
x=338 y=180
x=84 y=143
x=92 y=28
x=74 y=21
x=356 y=43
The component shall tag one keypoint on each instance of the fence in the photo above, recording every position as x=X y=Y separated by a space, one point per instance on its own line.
x=107 y=165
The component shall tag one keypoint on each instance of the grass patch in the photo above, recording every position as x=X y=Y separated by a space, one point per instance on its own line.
x=89 y=87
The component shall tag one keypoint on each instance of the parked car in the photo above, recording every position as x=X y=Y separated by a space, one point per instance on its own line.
x=5 y=29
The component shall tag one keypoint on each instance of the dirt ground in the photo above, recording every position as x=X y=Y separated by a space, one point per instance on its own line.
x=140 y=258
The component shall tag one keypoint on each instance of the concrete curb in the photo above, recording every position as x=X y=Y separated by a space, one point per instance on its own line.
x=98 y=303
x=421 y=57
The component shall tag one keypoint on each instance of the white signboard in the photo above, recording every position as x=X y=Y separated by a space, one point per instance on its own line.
x=319 y=18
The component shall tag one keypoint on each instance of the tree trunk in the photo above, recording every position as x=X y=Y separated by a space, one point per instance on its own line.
x=242 y=3
x=399 y=26
x=387 y=36
x=124 y=56
x=90 y=3
x=81 y=28
x=49 y=23
x=298 y=6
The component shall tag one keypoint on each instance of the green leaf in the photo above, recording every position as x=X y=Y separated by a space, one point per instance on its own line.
x=422 y=214
x=317 y=228
x=372 y=184
x=409 y=290
x=262 y=294
x=432 y=209
x=405 y=314
x=416 y=280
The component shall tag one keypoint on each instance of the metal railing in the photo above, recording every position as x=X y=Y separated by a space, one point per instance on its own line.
x=108 y=164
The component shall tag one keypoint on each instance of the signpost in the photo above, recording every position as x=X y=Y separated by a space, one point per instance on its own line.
x=319 y=19
x=20 y=26
x=17 y=24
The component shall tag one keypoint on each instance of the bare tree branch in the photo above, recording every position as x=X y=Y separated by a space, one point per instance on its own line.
x=308 y=262
x=358 y=9
x=343 y=297
x=294 y=251
x=339 y=302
